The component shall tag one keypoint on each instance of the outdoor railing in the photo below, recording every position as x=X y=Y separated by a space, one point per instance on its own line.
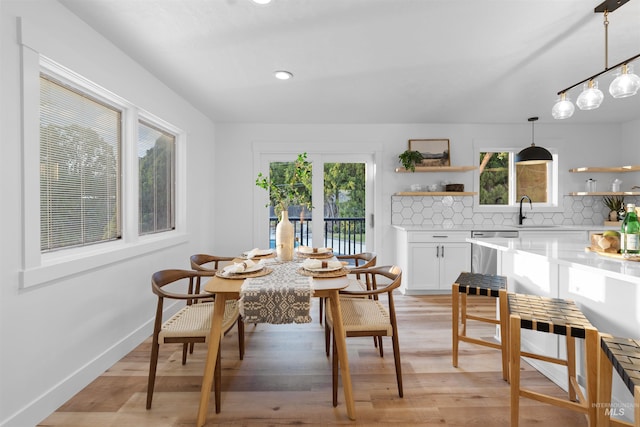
x=344 y=235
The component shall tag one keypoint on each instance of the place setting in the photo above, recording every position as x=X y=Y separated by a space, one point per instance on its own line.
x=257 y=253
x=244 y=269
x=314 y=267
x=311 y=252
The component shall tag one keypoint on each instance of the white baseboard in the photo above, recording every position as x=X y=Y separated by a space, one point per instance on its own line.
x=43 y=406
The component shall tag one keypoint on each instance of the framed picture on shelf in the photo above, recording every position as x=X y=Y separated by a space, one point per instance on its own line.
x=435 y=152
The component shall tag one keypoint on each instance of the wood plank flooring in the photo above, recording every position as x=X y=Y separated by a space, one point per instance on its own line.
x=285 y=378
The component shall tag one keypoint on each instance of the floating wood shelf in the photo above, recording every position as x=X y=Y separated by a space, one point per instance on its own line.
x=438 y=169
x=615 y=169
x=605 y=193
x=436 y=193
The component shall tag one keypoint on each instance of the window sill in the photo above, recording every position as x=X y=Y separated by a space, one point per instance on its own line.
x=56 y=266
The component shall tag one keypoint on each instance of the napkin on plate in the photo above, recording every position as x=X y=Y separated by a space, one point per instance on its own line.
x=253 y=252
x=237 y=267
x=310 y=250
x=315 y=264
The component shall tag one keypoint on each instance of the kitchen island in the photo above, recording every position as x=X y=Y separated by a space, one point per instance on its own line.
x=606 y=290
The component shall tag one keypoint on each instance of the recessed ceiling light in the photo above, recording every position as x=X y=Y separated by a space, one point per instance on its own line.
x=282 y=75
x=262 y=1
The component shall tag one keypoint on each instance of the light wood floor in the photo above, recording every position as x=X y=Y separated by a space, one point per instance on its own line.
x=285 y=378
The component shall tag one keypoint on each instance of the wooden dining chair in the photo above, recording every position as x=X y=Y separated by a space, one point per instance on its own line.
x=212 y=263
x=205 y=262
x=363 y=315
x=191 y=324
x=361 y=260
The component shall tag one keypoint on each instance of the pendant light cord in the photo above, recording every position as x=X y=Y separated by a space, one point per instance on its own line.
x=606 y=39
x=533 y=121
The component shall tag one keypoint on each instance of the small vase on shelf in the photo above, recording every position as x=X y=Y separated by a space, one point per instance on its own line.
x=284 y=238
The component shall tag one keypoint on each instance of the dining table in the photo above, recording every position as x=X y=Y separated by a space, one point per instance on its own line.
x=225 y=288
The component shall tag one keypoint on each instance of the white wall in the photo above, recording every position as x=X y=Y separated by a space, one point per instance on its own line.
x=577 y=145
x=57 y=337
x=630 y=147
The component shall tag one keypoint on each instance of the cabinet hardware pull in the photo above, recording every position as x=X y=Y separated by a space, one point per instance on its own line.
x=438 y=251
x=439 y=237
x=442 y=251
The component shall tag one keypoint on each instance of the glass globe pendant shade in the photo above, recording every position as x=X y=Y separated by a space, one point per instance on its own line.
x=625 y=84
x=591 y=97
x=563 y=109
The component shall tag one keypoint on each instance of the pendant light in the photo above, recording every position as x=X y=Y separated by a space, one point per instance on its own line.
x=591 y=97
x=563 y=109
x=533 y=154
x=625 y=84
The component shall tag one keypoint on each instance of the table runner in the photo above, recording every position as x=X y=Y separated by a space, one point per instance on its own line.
x=283 y=296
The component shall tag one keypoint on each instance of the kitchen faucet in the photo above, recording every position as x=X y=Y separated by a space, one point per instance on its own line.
x=521 y=217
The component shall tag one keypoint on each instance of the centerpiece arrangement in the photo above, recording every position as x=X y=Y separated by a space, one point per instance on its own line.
x=291 y=188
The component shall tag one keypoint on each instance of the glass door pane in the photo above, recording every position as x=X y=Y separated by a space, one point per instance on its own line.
x=280 y=174
x=344 y=207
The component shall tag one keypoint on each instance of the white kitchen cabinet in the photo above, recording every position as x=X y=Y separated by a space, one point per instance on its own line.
x=432 y=260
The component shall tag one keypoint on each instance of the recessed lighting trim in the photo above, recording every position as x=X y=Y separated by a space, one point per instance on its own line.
x=282 y=75
x=262 y=1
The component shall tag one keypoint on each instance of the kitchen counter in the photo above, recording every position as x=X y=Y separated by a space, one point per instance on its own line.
x=606 y=290
x=565 y=251
x=510 y=227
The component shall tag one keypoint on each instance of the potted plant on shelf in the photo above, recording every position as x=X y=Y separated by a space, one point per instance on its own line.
x=410 y=159
x=291 y=188
x=616 y=207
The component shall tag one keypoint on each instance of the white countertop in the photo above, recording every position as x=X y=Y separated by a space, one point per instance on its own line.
x=506 y=227
x=565 y=251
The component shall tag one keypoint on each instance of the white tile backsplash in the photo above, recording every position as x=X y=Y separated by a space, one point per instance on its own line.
x=458 y=210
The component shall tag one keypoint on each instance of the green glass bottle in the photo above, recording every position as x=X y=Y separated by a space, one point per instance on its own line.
x=630 y=232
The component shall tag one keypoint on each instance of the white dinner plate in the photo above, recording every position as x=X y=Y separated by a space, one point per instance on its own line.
x=254 y=267
x=260 y=252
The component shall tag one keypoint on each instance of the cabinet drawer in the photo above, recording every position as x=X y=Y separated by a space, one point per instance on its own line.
x=438 y=236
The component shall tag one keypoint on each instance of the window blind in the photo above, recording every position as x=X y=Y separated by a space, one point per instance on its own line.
x=80 y=143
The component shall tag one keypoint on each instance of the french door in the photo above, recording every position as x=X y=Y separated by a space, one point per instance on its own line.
x=342 y=200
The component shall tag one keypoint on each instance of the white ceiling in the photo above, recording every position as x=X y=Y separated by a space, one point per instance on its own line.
x=374 y=61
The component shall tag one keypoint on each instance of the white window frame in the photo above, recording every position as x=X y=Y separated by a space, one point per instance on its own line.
x=39 y=268
x=555 y=201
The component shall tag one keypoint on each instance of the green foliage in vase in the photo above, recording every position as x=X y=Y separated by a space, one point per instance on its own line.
x=289 y=185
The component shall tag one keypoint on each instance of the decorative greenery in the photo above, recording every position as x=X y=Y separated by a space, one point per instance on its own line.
x=292 y=187
x=614 y=203
x=410 y=159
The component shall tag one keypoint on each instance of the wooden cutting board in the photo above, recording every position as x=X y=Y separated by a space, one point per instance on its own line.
x=617 y=256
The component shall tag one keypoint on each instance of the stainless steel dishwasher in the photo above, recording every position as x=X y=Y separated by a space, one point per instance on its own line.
x=485 y=260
